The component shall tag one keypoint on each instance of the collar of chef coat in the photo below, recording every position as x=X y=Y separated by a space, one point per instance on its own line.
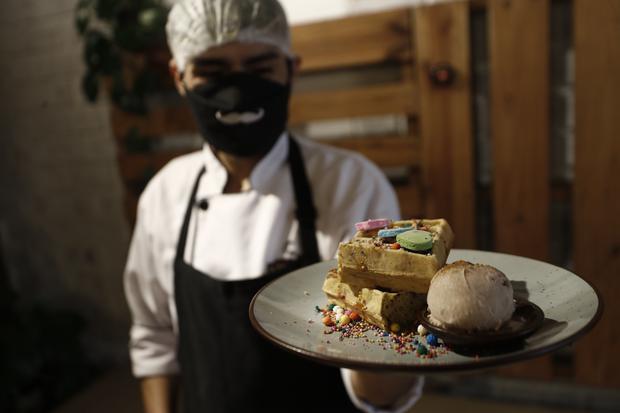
x=262 y=174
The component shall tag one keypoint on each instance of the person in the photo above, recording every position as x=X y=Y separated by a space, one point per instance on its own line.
x=215 y=225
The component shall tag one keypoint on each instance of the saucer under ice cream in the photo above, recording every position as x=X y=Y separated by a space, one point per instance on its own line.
x=468 y=296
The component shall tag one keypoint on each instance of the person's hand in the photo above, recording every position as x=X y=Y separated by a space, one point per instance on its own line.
x=383 y=389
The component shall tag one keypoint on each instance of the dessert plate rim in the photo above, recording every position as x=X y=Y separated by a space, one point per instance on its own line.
x=279 y=313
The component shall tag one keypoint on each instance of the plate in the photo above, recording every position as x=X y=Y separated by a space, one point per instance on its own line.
x=284 y=313
x=526 y=319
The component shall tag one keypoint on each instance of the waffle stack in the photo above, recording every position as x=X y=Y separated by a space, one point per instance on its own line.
x=386 y=282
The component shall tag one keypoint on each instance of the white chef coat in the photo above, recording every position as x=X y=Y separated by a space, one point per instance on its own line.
x=239 y=234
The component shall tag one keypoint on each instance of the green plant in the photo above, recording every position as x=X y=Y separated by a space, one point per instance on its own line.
x=116 y=34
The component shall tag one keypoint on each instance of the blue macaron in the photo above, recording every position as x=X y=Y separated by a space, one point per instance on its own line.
x=392 y=232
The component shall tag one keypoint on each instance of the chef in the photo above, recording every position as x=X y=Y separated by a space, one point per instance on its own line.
x=216 y=225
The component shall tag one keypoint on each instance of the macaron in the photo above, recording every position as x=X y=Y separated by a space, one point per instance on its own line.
x=391 y=232
x=415 y=240
x=373 y=224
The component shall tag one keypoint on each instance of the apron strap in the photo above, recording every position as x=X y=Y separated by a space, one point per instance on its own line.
x=188 y=214
x=305 y=212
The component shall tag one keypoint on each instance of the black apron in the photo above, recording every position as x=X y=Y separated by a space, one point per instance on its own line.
x=225 y=365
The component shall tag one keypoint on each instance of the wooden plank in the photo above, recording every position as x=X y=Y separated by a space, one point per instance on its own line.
x=385 y=151
x=442 y=36
x=410 y=199
x=164 y=120
x=136 y=168
x=519 y=83
x=478 y=4
x=519 y=94
x=130 y=204
x=596 y=187
x=398 y=98
x=352 y=41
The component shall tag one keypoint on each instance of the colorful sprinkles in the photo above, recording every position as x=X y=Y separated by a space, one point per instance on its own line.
x=350 y=326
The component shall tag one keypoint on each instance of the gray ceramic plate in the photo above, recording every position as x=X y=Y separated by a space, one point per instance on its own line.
x=283 y=309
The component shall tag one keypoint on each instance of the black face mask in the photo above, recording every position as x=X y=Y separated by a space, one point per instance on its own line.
x=240 y=113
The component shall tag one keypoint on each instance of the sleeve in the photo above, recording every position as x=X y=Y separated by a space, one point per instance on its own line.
x=402 y=405
x=153 y=342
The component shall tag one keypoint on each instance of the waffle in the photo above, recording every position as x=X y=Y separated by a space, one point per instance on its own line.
x=377 y=307
x=372 y=260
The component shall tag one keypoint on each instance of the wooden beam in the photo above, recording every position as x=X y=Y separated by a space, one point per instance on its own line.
x=519 y=95
x=385 y=151
x=519 y=92
x=135 y=168
x=353 y=41
x=596 y=242
x=163 y=120
x=397 y=98
x=410 y=199
x=442 y=37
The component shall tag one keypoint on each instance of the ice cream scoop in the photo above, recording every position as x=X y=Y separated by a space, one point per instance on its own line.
x=468 y=296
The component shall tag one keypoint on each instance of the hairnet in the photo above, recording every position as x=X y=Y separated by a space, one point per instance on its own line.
x=194 y=26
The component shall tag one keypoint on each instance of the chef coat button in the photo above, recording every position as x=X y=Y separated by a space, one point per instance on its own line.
x=203 y=204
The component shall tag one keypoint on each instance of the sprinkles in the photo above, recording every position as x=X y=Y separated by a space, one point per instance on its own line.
x=348 y=325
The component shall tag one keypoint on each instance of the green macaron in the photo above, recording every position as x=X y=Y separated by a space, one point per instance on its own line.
x=415 y=240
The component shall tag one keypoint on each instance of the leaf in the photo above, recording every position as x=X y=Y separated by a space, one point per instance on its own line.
x=108 y=9
x=145 y=83
x=90 y=86
x=111 y=64
x=118 y=88
x=121 y=25
x=132 y=103
x=82 y=20
x=135 y=142
x=125 y=99
x=97 y=49
x=84 y=5
x=152 y=19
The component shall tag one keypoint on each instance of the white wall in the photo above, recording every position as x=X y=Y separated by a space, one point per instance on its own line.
x=63 y=232
x=304 y=11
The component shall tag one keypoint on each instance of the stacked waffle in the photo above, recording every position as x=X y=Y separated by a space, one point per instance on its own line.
x=384 y=272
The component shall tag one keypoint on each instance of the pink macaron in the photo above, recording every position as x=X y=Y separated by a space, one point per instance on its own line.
x=373 y=224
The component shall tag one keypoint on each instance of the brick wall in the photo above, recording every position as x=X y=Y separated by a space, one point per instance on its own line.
x=64 y=235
